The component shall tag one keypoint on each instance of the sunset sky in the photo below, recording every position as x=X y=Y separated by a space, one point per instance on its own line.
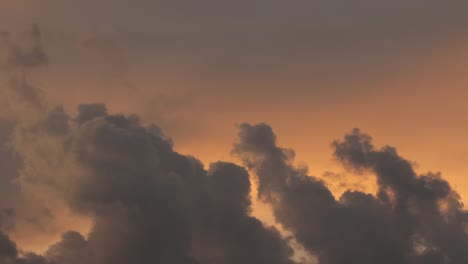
x=311 y=70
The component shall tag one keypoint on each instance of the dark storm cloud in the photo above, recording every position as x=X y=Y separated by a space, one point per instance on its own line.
x=413 y=219
x=148 y=203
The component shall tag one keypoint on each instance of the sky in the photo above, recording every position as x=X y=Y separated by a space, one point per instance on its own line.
x=111 y=113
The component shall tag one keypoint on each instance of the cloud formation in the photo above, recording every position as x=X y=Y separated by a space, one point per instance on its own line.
x=19 y=61
x=148 y=203
x=9 y=253
x=151 y=204
x=412 y=219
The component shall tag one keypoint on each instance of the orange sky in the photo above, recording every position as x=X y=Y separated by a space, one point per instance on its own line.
x=197 y=84
x=422 y=114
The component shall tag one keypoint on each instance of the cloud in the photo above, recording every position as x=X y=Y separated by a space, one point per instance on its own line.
x=412 y=219
x=9 y=163
x=9 y=253
x=8 y=248
x=312 y=37
x=72 y=249
x=22 y=215
x=34 y=56
x=148 y=203
x=19 y=61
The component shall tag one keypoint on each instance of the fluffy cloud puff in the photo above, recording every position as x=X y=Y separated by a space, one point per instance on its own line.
x=148 y=203
x=412 y=219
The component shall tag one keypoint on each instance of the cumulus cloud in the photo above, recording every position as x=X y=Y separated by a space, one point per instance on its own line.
x=148 y=203
x=412 y=219
x=151 y=204
x=72 y=249
x=9 y=253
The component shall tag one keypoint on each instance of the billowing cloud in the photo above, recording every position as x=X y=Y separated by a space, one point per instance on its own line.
x=72 y=249
x=9 y=253
x=148 y=203
x=412 y=219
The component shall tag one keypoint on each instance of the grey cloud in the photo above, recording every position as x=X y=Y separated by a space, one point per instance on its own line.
x=148 y=203
x=90 y=111
x=31 y=57
x=18 y=210
x=152 y=204
x=404 y=223
x=7 y=248
x=57 y=122
x=7 y=218
x=301 y=45
x=326 y=35
x=225 y=215
x=9 y=253
x=337 y=17
x=72 y=249
x=417 y=198
x=20 y=61
x=10 y=164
